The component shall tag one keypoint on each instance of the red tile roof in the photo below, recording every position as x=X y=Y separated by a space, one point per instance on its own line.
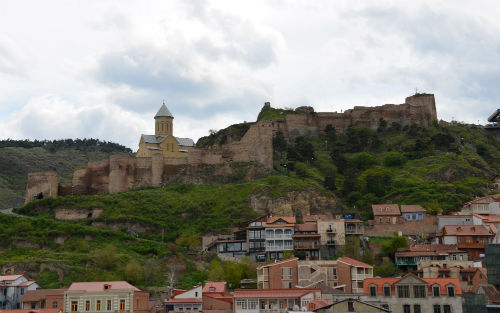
x=280 y=262
x=353 y=262
x=226 y=298
x=442 y=282
x=178 y=292
x=286 y=219
x=466 y=230
x=99 y=286
x=494 y=198
x=39 y=294
x=27 y=283
x=218 y=287
x=278 y=225
x=306 y=227
x=318 y=304
x=427 y=250
x=488 y=218
x=313 y=218
x=385 y=209
x=10 y=277
x=410 y=208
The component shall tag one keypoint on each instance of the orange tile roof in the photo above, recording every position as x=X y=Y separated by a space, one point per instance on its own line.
x=407 y=208
x=218 y=286
x=27 y=283
x=278 y=225
x=280 y=262
x=99 y=286
x=318 y=304
x=226 y=297
x=353 y=262
x=385 y=209
x=442 y=282
x=286 y=219
x=466 y=230
x=495 y=198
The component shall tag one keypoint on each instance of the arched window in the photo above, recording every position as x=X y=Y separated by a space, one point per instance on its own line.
x=451 y=290
x=373 y=290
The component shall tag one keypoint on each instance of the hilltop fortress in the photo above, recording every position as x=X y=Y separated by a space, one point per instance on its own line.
x=163 y=158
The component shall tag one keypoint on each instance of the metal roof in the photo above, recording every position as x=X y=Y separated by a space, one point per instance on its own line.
x=163 y=111
x=150 y=139
x=188 y=142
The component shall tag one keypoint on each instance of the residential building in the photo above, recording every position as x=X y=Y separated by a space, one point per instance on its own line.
x=413 y=212
x=410 y=294
x=409 y=257
x=216 y=298
x=256 y=239
x=32 y=311
x=279 y=236
x=493 y=264
x=185 y=300
x=313 y=273
x=306 y=239
x=282 y=274
x=353 y=227
x=43 y=298
x=234 y=245
x=471 y=239
x=386 y=213
x=482 y=205
x=112 y=296
x=12 y=288
x=332 y=236
x=273 y=300
x=492 y=295
x=351 y=305
x=453 y=220
x=470 y=277
x=352 y=273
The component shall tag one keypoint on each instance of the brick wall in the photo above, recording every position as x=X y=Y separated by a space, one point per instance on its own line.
x=409 y=228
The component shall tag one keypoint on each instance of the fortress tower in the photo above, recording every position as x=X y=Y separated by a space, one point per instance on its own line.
x=163 y=142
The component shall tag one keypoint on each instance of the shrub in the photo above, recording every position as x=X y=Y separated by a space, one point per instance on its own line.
x=394 y=159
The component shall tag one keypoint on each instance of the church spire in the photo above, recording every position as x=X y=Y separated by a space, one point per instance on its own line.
x=163 y=111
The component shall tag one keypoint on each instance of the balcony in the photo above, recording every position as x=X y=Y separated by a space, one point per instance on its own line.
x=274 y=311
x=279 y=248
x=471 y=245
x=330 y=230
x=406 y=262
x=330 y=243
x=361 y=276
x=307 y=246
x=279 y=236
x=354 y=231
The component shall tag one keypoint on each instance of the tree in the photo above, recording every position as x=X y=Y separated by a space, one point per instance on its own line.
x=107 y=257
x=301 y=169
x=362 y=160
x=171 y=276
x=389 y=248
x=215 y=271
x=386 y=269
x=394 y=159
x=189 y=240
x=279 y=143
x=133 y=272
x=331 y=133
x=330 y=183
x=382 y=124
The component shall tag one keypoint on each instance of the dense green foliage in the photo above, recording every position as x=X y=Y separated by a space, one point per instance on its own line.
x=232 y=133
x=440 y=166
x=176 y=208
x=80 y=252
x=268 y=113
x=20 y=157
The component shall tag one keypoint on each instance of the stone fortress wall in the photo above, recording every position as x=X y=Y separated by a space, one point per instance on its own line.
x=120 y=173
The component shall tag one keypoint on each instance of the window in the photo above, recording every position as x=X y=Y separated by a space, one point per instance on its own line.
x=98 y=305
x=451 y=291
x=350 y=306
x=196 y=294
x=122 y=305
x=380 y=219
x=406 y=308
x=252 y=304
x=239 y=303
x=87 y=305
x=22 y=291
x=388 y=220
x=54 y=304
x=436 y=292
x=286 y=273
x=403 y=291
x=387 y=291
x=74 y=306
x=417 y=309
x=446 y=308
x=437 y=308
x=108 y=306
x=373 y=291
x=334 y=273
x=419 y=291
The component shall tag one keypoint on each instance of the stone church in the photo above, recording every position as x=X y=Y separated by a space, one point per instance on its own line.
x=163 y=141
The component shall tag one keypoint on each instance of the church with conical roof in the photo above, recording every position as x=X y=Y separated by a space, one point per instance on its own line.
x=163 y=141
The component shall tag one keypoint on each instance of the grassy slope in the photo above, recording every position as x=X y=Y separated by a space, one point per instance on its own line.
x=33 y=241
x=176 y=208
x=17 y=162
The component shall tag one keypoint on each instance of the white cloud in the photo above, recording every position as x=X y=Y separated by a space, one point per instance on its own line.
x=80 y=69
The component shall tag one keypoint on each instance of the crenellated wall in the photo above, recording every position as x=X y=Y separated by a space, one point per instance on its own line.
x=123 y=172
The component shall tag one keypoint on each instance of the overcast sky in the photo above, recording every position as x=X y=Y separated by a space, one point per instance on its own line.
x=101 y=69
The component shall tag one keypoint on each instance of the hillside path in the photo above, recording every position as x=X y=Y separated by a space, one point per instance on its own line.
x=9 y=212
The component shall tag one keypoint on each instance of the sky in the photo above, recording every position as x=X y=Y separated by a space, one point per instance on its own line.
x=102 y=68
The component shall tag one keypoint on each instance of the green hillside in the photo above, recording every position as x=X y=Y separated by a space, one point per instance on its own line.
x=20 y=157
